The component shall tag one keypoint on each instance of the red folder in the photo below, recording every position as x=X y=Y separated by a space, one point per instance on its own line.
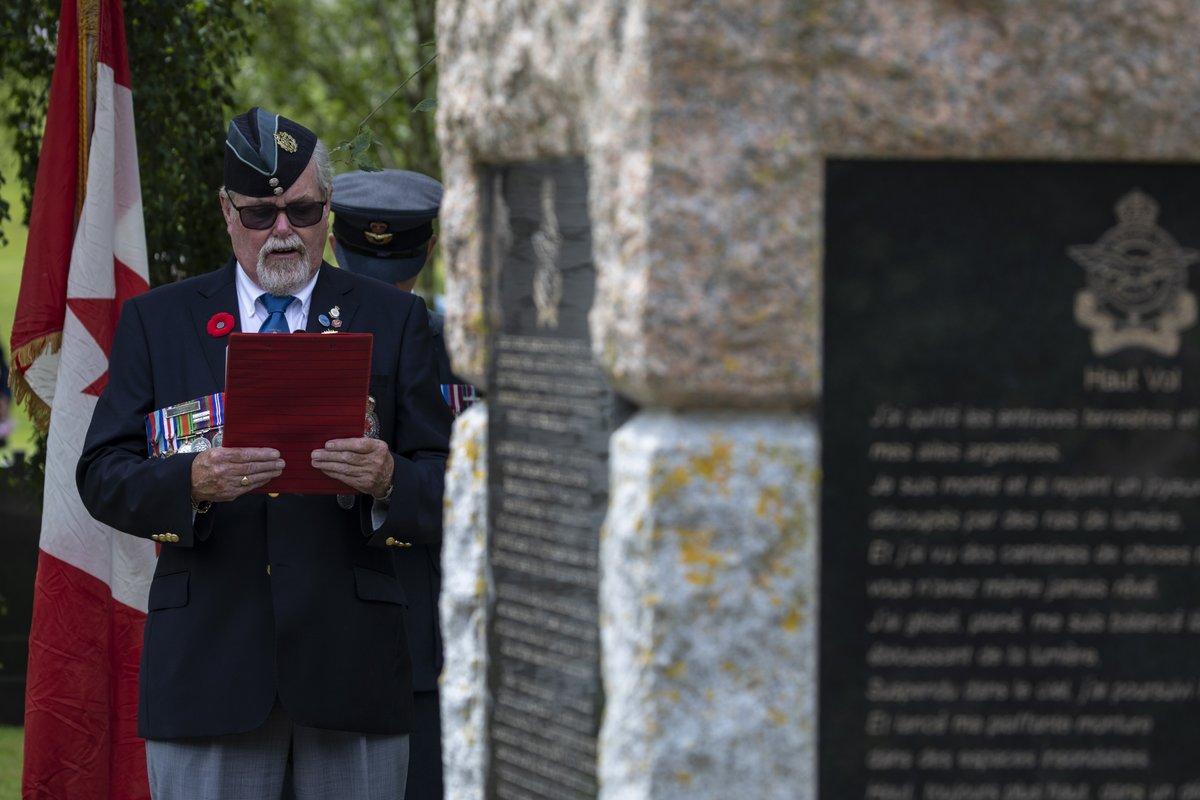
x=294 y=392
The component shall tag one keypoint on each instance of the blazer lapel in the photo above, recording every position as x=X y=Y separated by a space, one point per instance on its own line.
x=331 y=292
x=217 y=294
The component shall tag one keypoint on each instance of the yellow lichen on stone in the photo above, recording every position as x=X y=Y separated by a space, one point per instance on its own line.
x=684 y=777
x=696 y=547
x=669 y=484
x=776 y=716
x=770 y=500
x=795 y=617
x=695 y=550
x=476 y=323
x=717 y=465
x=676 y=670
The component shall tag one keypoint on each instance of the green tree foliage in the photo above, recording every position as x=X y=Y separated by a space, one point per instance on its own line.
x=330 y=63
x=27 y=27
x=183 y=56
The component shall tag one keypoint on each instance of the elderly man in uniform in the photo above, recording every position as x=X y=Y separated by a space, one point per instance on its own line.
x=383 y=228
x=275 y=632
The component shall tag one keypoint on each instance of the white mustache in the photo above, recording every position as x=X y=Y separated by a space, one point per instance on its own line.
x=275 y=244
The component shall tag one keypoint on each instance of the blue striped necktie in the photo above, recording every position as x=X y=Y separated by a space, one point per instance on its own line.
x=276 y=321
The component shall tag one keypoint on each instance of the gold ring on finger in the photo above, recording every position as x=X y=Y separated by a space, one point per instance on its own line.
x=245 y=481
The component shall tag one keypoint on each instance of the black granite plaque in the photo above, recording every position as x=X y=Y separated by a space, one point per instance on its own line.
x=1011 y=502
x=550 y=416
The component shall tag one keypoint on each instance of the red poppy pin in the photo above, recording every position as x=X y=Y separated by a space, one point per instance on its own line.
x=221 y=324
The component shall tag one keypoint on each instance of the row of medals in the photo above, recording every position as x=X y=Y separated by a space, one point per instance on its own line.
x=212 y=437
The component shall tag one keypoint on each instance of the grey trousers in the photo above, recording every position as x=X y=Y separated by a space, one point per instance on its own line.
x=251 y=766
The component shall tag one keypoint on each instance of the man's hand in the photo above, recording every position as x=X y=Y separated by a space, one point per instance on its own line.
x=363 y=464
x=221 y=474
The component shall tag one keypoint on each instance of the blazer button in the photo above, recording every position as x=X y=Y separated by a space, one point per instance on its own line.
x=174 y=537
x=390 y=541
x=405 y=544
x=272 y=494
x=156 y=537
x=268 y=569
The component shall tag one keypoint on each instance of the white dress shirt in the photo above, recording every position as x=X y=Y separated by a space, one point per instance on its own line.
x=252 y=313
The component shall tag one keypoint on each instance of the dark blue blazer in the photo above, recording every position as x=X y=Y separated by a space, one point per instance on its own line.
x=420 y=567
x=290 y=597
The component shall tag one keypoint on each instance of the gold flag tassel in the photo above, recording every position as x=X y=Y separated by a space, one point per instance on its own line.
x=35 y=407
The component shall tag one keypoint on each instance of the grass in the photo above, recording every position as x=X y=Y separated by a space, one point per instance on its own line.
x=11 y=744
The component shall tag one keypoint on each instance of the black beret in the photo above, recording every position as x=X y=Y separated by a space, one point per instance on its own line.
x=383 y=221
x=265 y=153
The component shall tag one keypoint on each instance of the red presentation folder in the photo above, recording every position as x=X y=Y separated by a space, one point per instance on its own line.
x=294 y=392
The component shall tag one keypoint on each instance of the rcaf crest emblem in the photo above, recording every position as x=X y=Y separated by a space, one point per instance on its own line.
x=1136 y=293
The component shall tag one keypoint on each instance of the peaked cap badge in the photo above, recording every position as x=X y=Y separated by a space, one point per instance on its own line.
x=377 y=233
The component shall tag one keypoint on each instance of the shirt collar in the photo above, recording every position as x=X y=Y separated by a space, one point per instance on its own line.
x=248 y=293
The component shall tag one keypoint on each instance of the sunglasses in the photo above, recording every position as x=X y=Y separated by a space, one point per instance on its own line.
x=263 y=215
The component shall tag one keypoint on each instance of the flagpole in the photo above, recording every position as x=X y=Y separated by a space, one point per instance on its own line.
x=89 y=27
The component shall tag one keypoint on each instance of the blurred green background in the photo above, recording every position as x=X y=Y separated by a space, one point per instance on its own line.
x=11 y=258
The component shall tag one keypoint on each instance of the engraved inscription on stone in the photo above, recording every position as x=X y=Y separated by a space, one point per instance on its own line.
x=551 y=414
x=1012 y=488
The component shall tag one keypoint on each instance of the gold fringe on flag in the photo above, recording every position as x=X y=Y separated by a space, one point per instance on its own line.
x=88 y=18
x=35 y=407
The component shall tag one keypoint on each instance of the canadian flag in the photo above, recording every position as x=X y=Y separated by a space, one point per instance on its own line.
x=86 y=254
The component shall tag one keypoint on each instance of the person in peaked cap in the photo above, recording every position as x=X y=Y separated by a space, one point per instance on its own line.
x=274 y=641
x=383 y=228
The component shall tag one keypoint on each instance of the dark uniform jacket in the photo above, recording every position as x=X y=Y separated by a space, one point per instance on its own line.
x=290 y=597
x=420 y=567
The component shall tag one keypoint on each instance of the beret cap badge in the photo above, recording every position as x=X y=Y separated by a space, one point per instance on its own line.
x=377 y=233
x=286 y=141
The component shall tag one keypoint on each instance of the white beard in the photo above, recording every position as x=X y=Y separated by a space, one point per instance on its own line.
x=283 y=277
